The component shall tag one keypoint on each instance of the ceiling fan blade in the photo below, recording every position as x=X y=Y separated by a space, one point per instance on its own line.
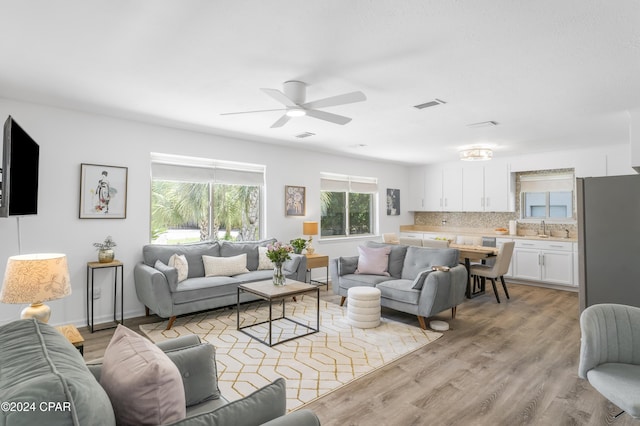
x=347 y=98
x=251 y=112
x=281 y=121
x=279 y=96
x=327 y=116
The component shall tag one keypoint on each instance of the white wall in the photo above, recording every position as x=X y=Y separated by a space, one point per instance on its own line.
x=69 y=138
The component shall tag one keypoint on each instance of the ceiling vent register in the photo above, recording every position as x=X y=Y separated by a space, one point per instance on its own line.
x=430 y=104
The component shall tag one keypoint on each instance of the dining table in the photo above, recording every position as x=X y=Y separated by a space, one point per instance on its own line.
x=467 y=254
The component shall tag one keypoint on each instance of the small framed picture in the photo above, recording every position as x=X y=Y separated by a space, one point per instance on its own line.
x=393 y=202
x=294 y=200
x=103 y=192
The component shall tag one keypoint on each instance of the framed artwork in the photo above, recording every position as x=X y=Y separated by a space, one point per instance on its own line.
x=103 y=192
x=294 y=201
x=393 y=202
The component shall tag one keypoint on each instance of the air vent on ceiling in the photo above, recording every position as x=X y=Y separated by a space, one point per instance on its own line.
x=483 y=124
x=430 y=104
x=305 y=135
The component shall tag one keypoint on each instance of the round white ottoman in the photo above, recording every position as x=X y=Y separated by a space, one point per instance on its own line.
x=363 y=307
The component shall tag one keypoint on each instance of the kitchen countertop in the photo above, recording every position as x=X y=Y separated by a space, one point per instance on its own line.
x=450 y=230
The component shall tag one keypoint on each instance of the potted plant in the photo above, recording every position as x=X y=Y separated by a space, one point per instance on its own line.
x=105 y=250
x=298 y=245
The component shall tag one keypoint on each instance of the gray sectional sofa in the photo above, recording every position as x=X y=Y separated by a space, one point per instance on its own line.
x=45 y=381
x=411 y=285
x=158 y=289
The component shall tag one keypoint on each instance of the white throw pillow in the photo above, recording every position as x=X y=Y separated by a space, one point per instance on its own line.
x=179 y=261
x=225 y=266
x=263 y=260
x=373 y=260
x=143 y=384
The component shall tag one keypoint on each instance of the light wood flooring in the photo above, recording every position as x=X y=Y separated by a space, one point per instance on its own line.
x=513 y=363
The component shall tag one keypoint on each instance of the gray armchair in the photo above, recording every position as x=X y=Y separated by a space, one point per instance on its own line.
x=610 y=353
x=197 y=365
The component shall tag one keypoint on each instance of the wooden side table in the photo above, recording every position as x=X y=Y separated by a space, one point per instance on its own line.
x=317 y=261
x=91 y=267
x=73 y=336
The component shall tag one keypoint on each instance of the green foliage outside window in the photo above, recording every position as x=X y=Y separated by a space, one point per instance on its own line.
x=211 y=208
x=346 y=213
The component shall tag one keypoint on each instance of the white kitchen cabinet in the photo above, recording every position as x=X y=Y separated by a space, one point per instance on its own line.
x=452 y=189
x=557 y=267
x=443 y=189
x=546 y=261
x=433 y=189
x=487 y=188
x=473 y=188
x=416 y=198
x=499 y=189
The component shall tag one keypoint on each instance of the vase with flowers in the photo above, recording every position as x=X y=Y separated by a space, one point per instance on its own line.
x=105 y=250
x=278 y=253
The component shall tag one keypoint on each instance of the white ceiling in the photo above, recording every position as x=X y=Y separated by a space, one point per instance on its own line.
x=555 y=74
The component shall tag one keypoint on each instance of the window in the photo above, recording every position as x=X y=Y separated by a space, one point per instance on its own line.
x=195 y=199
x=347 y=205
x=547 y=196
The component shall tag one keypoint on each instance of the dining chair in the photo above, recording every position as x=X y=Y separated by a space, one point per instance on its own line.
x=497 y=270
x=390 y=238
x=410 y=241
x=435 y=243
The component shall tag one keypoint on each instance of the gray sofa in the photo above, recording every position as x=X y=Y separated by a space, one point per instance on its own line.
x=157 y=287
x=45 y=381
x=411 y=286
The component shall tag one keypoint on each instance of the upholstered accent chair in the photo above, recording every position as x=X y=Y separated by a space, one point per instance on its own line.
x=610 y=353
x=497 y=270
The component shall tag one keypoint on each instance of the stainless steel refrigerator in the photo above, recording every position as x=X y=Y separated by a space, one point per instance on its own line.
x=609 y=240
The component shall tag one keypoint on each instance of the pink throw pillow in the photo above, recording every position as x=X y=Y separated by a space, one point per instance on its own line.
x=373 y=260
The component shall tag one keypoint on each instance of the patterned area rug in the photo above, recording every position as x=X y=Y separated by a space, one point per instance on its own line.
x=312 y=365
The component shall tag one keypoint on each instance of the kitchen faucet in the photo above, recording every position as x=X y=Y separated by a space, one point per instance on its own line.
x=544 y=228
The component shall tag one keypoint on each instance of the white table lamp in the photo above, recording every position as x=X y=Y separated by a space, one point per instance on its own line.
x=36 y=278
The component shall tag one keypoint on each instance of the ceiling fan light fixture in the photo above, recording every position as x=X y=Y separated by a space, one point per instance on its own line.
x=476 y=154
x=296 y=112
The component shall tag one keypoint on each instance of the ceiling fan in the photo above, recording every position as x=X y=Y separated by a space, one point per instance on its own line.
x=293 y=99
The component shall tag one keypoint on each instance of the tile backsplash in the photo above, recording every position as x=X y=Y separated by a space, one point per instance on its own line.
x=490 y=220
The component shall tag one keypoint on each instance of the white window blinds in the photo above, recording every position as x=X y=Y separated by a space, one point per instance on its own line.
x=342 y=183
x=191 y=169
x=547 y=183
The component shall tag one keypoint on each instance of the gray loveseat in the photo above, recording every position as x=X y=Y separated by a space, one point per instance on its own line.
x=158 y=289
x=45 y=381
x=411 y=285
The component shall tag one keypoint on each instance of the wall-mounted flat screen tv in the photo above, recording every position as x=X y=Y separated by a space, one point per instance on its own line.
x=20 y=161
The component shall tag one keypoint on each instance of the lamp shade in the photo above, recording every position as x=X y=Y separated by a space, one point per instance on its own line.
x=31 y=278
x=310 y=228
